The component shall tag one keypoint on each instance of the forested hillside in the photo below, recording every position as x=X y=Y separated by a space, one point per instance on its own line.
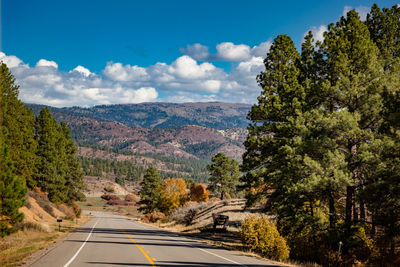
x=182 y=151
x=217 y=115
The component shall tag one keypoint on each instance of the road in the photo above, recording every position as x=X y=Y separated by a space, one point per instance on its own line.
x=110 y=240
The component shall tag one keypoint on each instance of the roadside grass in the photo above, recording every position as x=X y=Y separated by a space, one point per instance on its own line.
x=16 y=248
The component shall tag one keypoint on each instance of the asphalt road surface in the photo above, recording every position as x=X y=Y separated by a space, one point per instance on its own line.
x=109 y=240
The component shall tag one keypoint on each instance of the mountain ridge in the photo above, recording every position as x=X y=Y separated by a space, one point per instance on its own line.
x=217 y=115
x=187 y=139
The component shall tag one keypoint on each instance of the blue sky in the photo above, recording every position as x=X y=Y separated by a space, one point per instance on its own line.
x=195 y=47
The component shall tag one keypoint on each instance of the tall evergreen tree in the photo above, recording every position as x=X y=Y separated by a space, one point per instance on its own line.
x=74 y=173
x=12 y=191
x=269 y=162
x=384 y=27
x=352 y=91
x=19 y=121
x=150 y=193
x=51 y=157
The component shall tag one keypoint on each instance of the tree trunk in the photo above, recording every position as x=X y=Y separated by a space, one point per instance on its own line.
x=350 y=201
x=362 y=210
x=332 y=212
x=349 y=204
x=355 y=210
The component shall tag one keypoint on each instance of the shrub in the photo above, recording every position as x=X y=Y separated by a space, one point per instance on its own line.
x=77 y=209
x=30 y=226
x=186 y=214
x=118 y=202
x=131 y=198
x=47 y=208
x=154 y=217
x=199 y=193
x=189 y=217
x=110 y=197
x=261 y=236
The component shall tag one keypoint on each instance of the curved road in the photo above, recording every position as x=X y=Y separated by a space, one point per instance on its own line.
x=109 y=240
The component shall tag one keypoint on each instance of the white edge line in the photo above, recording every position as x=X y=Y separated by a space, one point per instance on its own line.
x=79 y=250
x=216 y=255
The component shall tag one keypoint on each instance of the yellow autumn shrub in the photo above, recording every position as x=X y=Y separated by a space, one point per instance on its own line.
x=261 y=236
x=173 y=194
x=199 y=193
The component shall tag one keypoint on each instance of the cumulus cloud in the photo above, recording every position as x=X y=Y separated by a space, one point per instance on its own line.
x=227 y=51
x=184 y=80
x=187 y=68
x=261 y=50
x=82 y=70
x=46 y=63
x=118 y=72
x=10 y=61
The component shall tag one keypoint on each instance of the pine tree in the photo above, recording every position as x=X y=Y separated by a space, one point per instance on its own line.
x=270 y=163
x=51 y=154
x=74 y=173
x=224 y=175
x=384 y=27
x=19 y=121
x=12 y=191
x=150 y=194
x=353 y=92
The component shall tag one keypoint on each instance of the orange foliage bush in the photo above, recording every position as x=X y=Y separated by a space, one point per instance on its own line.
x=199 y=193
x=131 y=198
x=153 y=217
x=173 y=194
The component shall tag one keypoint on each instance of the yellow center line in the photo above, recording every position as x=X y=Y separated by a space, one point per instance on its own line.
x=137 y=245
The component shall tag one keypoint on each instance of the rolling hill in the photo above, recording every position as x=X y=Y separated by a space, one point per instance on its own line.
x=160 y=132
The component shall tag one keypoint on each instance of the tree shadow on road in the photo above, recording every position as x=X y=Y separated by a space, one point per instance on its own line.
x=179 y=264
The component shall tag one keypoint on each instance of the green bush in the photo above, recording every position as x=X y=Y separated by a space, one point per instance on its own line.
x=260 y=235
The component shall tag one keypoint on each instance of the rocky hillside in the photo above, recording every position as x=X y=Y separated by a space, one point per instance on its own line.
x=215 y=115
x=95 y=127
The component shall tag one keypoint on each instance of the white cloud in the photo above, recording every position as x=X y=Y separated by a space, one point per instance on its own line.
x=119 y=72
x=184 y=80
x=228 y=51
x=187 y=68
x=261 y=50
x=82 y=70
x=46 y=63
x=10 y=61
x=211 y=86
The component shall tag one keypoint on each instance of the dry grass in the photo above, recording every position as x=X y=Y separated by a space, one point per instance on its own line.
x=99 y=204
x=16 y=248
